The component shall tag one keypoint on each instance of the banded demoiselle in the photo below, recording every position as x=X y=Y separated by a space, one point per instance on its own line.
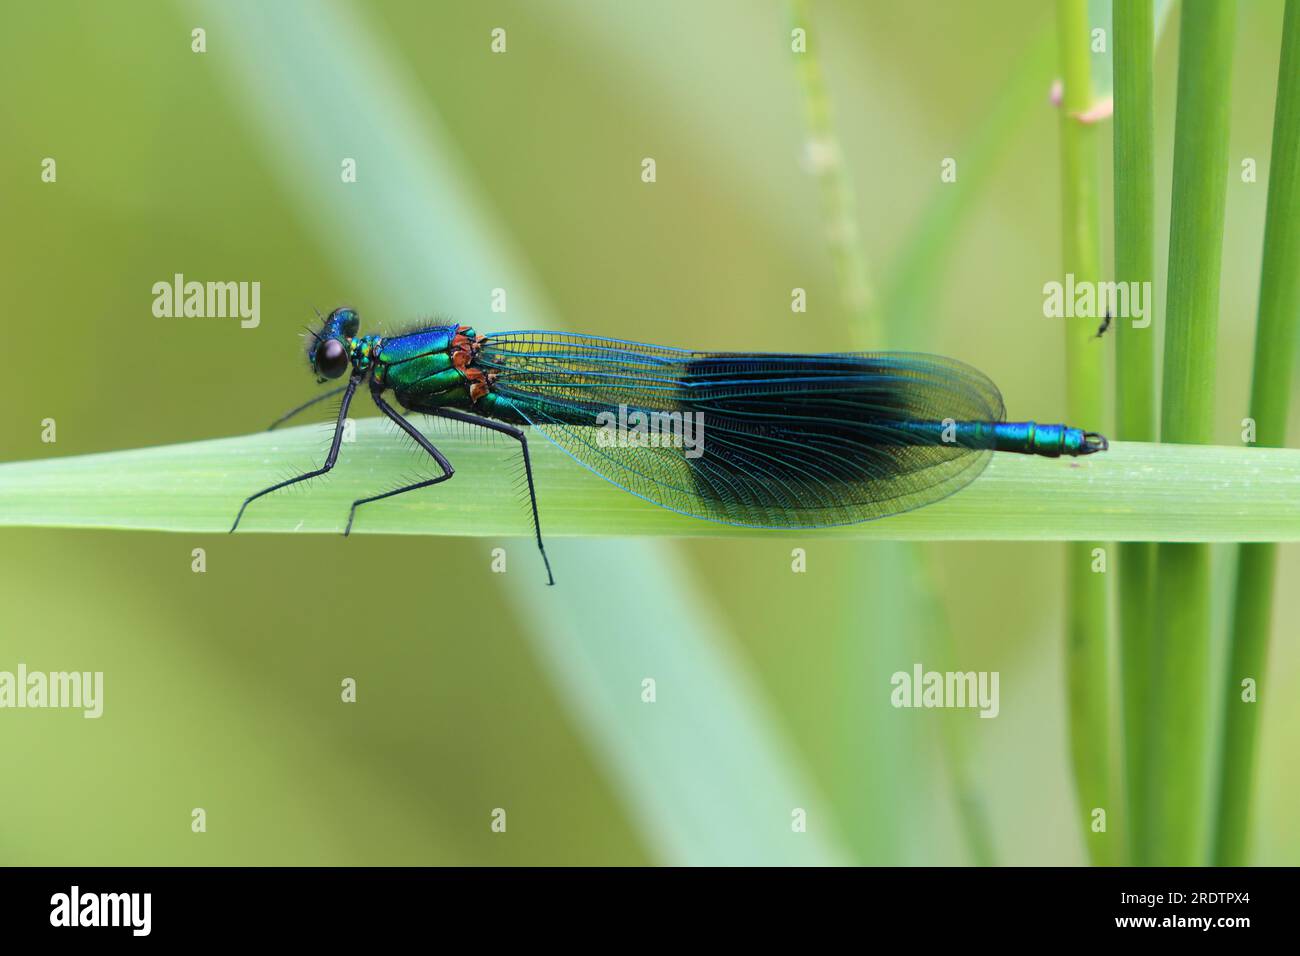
x=762 y=440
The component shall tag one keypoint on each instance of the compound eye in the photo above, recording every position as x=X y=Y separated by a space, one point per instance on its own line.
x=331 y=358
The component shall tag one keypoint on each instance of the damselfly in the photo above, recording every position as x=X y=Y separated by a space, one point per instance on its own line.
x=762 y=440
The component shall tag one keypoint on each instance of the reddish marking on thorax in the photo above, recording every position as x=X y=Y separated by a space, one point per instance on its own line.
x=464 y=351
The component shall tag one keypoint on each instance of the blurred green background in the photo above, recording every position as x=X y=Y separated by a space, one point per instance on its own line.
x=522 y=170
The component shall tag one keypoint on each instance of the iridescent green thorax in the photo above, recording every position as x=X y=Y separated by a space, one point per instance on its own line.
x=434 y=368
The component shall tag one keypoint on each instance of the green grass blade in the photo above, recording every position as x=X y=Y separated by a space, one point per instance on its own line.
x=1179 y=716
x=1134 y=149
x=1135 y=395
x=1134 y=492
x=1087 y=594
x=1270 y=397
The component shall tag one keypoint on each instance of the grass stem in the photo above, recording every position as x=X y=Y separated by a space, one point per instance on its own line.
x=1177 y=747
x=1135 y=394
x=825 y=158
x=1087 y=594
x=1270 y=397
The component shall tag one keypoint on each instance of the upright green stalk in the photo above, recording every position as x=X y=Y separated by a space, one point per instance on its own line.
x=827 y=162
x=1135 y=388
x=1270 y=394
x=1180 y=665
x=1086 y=592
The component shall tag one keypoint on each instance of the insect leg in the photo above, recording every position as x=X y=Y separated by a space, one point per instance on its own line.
x=443 y=463
x=519 y=436
x=303 y=407
x=348 y=391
